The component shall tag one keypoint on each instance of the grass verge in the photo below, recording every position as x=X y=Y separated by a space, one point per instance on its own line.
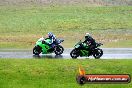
x=20 y=26
x=57 y=73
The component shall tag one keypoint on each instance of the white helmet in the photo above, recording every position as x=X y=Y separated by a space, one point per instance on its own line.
x=87 y=34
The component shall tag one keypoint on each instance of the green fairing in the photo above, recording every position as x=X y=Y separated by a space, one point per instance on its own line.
x=84 y=52
x=45 y=46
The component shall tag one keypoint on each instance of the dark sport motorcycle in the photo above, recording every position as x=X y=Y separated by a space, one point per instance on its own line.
x=82 y=49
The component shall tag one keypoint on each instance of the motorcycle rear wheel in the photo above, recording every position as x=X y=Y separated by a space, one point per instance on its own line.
x=37 y=50
x=74 y=54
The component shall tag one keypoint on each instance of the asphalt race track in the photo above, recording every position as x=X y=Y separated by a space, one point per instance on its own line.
x=109 y=53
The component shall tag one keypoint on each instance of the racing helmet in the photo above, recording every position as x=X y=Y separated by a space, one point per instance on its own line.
x=50 y=34
x=87 y=35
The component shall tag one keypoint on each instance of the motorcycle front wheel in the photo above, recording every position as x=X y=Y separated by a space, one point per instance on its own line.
x=97 y=53
x=58 y=50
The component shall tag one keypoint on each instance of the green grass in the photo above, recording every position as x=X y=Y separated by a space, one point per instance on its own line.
x=20 y=27
x=49 y=73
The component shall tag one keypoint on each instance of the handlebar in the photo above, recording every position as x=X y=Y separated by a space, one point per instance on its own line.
x=99 y=44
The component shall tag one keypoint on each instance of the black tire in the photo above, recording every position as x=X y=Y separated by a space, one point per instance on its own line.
x=74 y=54
x=97 y=53
x=37 y=50
x=81 y=80
x=58 y=50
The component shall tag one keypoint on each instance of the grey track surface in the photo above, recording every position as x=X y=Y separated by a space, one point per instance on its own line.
x=109 y=53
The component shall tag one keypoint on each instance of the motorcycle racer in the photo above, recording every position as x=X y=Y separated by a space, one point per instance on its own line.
x=90 y=41
x=87 y=48
x=52 y=37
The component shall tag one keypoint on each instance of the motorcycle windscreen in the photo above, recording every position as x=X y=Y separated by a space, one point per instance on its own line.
x=58 y=41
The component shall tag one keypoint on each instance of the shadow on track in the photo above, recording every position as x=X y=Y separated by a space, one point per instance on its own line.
x=48 y=56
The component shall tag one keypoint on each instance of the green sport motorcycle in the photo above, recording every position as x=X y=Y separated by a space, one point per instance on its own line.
x=42 y=46
x=82 y=49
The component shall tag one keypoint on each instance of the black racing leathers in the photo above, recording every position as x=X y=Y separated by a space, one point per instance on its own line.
x=91 y=42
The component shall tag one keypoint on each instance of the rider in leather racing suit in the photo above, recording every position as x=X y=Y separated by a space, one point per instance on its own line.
x=90 y=41
x=53 y=39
